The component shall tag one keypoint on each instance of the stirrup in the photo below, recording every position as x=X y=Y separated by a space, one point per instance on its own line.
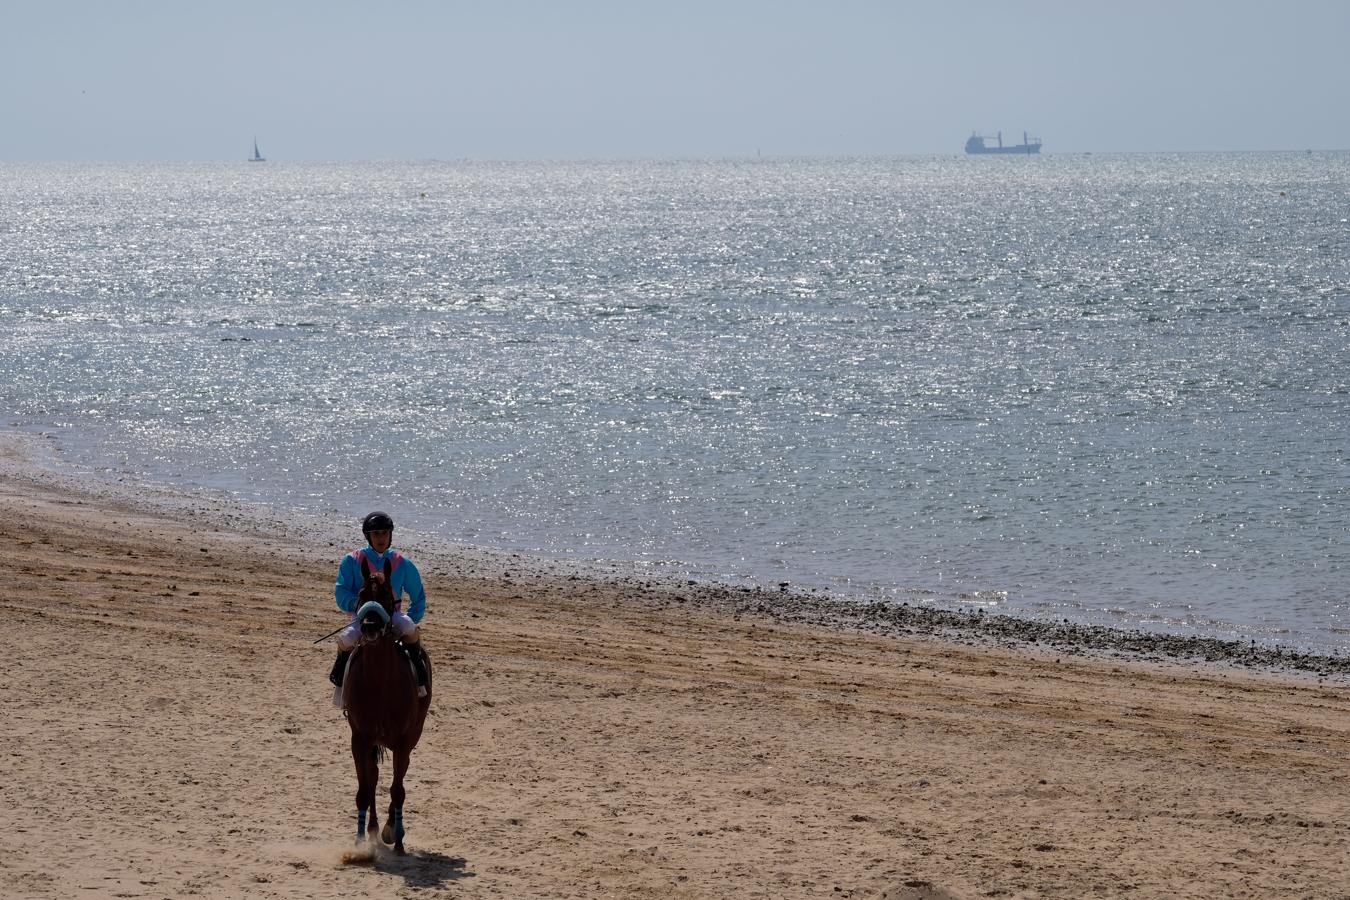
x=419 y=663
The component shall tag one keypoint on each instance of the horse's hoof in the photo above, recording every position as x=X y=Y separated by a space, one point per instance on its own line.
x=387 y=834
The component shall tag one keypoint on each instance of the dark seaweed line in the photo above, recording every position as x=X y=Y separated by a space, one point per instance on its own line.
x=1062 y=636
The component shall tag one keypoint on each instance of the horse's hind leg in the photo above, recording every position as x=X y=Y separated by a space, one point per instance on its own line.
x=393 y=829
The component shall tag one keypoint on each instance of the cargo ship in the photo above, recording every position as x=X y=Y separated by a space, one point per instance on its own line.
x=976 y=144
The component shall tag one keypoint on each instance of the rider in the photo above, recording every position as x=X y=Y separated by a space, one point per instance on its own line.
x=378 y=528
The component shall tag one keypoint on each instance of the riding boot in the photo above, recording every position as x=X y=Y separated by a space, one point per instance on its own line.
x=419 y=666
x=339 y=668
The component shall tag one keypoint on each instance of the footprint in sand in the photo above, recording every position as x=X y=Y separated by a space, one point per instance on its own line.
x=917 y=890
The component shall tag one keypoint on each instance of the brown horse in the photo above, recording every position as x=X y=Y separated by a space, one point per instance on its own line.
x=382 y=708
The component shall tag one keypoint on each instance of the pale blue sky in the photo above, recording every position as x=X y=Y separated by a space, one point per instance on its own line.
x=514 y=79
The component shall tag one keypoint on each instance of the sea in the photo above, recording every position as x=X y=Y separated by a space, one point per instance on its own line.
x=1113 y=389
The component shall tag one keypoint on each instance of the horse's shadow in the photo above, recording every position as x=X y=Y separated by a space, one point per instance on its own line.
x=424 y=868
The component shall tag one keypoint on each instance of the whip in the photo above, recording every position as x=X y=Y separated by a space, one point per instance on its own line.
x=330 y=634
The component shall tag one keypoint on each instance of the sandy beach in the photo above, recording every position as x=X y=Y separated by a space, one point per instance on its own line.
x=168 y=733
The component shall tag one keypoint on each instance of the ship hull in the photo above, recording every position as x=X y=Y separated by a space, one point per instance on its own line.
x=1005 y=151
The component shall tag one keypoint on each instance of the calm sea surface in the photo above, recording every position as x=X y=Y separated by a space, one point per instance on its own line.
x=1109 y=388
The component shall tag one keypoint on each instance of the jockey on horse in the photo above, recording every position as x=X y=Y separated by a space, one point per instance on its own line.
x=404 y=578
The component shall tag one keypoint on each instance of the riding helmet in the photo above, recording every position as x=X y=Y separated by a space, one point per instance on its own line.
x=377 y=521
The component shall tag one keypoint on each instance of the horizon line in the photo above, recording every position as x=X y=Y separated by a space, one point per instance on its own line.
x=655 y=158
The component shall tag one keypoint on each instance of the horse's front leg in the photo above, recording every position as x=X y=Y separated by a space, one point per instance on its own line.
x=367 y=774
x=374 y=827
x=393 y=829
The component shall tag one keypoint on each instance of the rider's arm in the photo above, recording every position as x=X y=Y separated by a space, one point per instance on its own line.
x=348 y=585
x=417 y=595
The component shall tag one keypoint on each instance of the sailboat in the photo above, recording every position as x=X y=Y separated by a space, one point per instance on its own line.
x=256 y=157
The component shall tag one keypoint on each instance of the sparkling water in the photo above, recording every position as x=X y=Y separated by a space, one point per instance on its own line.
x=1109 y=388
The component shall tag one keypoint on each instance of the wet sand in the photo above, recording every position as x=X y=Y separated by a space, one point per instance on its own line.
x=168 y=733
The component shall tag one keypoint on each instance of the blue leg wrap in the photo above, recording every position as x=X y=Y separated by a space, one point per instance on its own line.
x=360 y=823
x=398 y=825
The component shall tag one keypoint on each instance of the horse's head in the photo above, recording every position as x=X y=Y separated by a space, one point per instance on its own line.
x=375 y=602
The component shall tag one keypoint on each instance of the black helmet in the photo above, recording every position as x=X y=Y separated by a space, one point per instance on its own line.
x=377 y=521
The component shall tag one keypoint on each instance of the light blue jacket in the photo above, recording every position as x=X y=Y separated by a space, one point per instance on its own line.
x=403 y=578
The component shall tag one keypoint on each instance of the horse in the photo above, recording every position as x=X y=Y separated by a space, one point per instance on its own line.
x=382 y=707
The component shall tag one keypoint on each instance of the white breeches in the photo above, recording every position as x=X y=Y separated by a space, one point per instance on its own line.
x=404 y=627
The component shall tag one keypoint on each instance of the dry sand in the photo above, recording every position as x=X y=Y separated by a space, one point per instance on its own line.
x=167 y=733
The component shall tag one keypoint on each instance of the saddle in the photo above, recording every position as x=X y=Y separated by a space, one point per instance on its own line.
x=412 y=653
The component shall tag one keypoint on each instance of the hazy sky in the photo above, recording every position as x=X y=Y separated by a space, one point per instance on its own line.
x=514 y=79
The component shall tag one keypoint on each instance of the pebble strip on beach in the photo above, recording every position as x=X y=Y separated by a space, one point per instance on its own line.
x=977 y=626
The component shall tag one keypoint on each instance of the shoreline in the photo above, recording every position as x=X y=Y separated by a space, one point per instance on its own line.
x=615 y=737
x=20 y=452
x=1014 y=632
